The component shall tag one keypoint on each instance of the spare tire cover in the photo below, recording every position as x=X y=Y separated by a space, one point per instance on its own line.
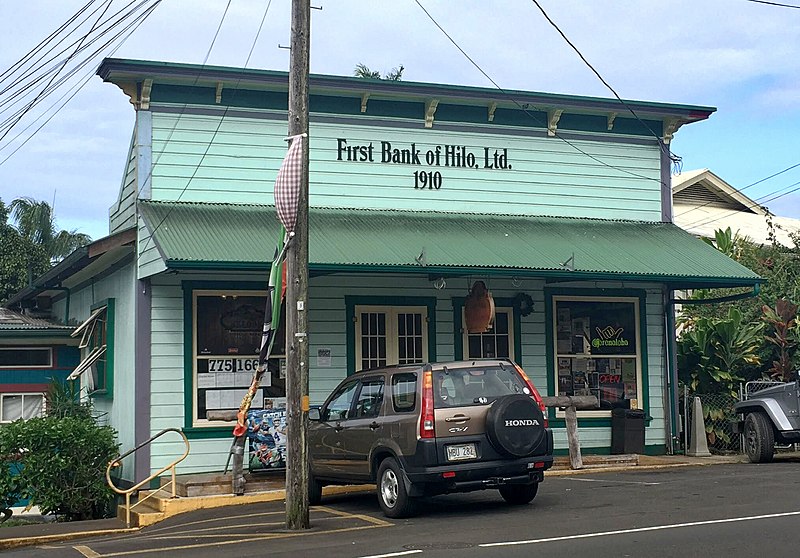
x=515 y=425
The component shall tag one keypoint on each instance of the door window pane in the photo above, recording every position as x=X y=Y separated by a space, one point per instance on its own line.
x=369 y=399
x=339 y=406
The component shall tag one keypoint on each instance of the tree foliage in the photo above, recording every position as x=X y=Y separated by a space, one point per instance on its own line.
x=20 y=259
x=36 y=222
x=362 y=71
x=770 y=317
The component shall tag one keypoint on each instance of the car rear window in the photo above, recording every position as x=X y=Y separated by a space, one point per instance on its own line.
x=404 y=392
x=465 y=386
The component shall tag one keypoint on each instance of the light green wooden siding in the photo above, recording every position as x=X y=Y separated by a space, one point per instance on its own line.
x=327 y=315
x=199 y=158
x=117 y=411
x=122 y=214
x=149 y=259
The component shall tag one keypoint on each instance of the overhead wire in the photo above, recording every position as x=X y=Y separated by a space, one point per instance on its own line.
x=662 y=145
x=38 y=96
x=81 y=47
x=24 y=60
x=777 y=4
x=132 y=26
x=216 y=131
x=524 y=106
x=33 y=80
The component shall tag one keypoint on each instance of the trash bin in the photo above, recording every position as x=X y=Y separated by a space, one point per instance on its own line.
x=627 y=431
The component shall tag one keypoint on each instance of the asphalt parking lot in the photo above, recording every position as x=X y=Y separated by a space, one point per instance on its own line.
x=722 y=510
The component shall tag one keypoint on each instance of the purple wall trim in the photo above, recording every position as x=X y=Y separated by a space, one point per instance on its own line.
x=142 y=378
x=666 y=185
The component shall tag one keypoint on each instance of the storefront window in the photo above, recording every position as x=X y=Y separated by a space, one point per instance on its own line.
x=228 y=328
x=597 y=349
x=497 y=342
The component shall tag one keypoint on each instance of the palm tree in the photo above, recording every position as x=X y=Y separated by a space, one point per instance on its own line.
x=363 y=71
x=36 y=222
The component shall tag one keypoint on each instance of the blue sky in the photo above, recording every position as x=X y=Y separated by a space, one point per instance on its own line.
x=739 y=56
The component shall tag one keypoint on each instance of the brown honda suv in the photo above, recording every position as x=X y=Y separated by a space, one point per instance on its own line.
x=429 y=429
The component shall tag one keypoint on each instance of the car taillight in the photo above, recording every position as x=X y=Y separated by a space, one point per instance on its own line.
x=426 y=423
x=534 y=393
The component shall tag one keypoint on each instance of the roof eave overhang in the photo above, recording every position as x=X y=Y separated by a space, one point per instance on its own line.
x=125 y=72
x=673 y=281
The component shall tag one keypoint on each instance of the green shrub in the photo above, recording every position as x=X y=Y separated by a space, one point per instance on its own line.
x=59 y=461
x=63 y=463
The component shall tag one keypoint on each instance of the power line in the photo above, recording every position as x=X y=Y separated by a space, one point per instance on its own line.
x=32 y=103
x=524 y=107
x=12 y=120
x=778 y=4
x=75 y=89
x=219 y=124
x=675 y=159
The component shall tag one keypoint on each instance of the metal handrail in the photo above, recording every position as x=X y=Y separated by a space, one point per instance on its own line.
x=118 y=461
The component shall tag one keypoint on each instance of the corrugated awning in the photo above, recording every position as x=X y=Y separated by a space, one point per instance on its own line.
x=205 y=235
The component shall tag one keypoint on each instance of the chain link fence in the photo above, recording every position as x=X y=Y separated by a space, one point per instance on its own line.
x=719 y=419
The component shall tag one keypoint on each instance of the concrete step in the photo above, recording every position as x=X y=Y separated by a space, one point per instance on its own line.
x=211 y=484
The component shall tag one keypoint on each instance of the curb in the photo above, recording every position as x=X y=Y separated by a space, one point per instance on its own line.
x=61 y=537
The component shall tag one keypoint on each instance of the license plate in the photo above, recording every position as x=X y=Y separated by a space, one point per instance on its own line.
x=461 y=451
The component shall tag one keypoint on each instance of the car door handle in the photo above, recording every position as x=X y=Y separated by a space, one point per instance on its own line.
x=338 y=427
x=457 y=418
x=374 y=425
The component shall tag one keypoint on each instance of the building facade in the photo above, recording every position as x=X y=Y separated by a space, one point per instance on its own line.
x=560 y=205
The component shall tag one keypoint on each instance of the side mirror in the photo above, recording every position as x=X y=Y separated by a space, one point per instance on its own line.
x=314 y=414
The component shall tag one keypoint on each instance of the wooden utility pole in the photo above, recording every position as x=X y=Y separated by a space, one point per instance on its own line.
x=297 y=284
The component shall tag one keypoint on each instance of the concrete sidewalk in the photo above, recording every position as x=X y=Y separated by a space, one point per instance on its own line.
x=51 y=532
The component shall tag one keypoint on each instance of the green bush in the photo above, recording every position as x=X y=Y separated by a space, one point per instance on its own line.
x=60 y=460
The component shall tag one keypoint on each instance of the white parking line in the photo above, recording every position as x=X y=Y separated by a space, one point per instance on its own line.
x=643 y=529
x=406 y=553
x=612 y=481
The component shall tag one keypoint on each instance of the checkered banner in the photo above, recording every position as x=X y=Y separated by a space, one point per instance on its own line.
x=287 y=185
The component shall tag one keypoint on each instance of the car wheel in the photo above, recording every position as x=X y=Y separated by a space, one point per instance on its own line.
x=392 y=494
x=519 y=494
x=314 y=490
x=759 y=439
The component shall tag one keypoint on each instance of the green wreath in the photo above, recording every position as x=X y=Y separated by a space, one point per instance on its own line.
x=524 y=303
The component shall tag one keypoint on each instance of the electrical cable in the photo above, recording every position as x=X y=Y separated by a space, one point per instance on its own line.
x=778 y=4
x=32 y=103
x=524 y=107
x=134 y=25
x=756 y=203
x=216 y=131
x=674 y=158
x=24 y=60
x=50 y=88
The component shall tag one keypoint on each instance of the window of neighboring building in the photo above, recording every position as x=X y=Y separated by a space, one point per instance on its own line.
x=97 y=349
x=15 y=406
x=497 y=342
x=598 y=349
x=390 y=335
x=26 y=357
x=227 y=329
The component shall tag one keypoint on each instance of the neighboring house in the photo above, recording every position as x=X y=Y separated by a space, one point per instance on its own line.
x=703 y=202
x=560 y=204
x=33 y=353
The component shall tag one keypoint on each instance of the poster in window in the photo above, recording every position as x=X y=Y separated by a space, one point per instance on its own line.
x=564 y=366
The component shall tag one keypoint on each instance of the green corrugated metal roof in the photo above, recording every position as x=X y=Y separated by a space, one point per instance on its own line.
x=227 y=235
